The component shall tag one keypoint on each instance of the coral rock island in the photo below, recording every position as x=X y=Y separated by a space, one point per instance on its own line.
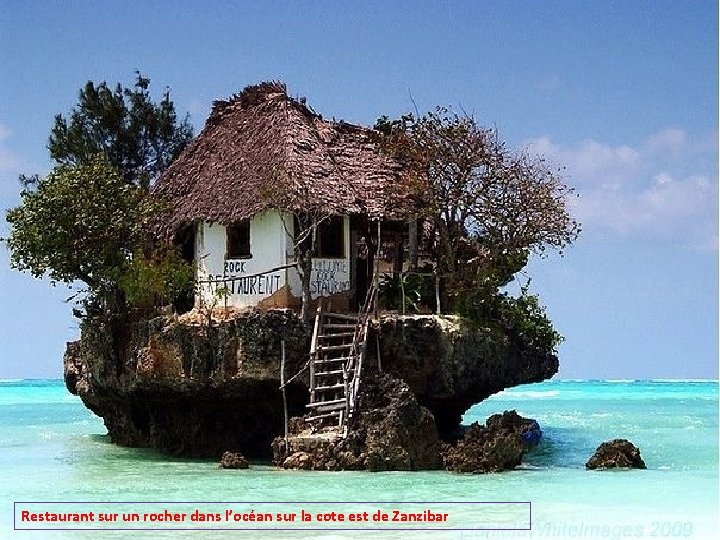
x=274 y=213
x=200 y=387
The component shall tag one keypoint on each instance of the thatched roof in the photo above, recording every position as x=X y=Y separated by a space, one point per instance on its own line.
x=262 y=149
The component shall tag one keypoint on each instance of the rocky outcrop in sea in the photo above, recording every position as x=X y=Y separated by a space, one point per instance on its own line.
x=233 y=460
x=614 y=454
x=499 y=445
x=197 y=386
x=391 y=432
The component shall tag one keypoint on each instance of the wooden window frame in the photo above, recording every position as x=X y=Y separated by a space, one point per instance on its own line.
x=237 y=240
x=337 y=250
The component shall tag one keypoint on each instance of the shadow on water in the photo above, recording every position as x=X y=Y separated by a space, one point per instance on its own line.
x=100 y=438
x=560 y=448
x=113 y=451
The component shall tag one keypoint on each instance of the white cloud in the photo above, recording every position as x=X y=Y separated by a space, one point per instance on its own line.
x=672 y=140
x=661 y=207
x=666 y=186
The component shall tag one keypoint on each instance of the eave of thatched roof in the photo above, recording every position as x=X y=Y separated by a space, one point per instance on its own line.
x=262 y=149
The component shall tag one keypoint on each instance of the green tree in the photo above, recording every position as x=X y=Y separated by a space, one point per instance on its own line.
x=86 y=223
x=89 y=220
x=78 y=223
x=136 y=135
x=158 y=279
x=488 y=208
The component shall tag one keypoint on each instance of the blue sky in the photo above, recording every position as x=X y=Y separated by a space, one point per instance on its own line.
x=624 y=94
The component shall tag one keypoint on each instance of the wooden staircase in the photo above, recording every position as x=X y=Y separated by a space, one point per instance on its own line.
x=336 y=358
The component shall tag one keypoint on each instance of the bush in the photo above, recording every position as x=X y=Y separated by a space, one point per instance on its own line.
x=523 y=316
x=160 y=280
x=419 y=293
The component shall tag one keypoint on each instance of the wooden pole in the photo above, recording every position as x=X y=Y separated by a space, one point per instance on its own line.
x=376 y=277
x=284 y=394
x=313 y=347
x=402 y=290
x=399 y=258
x=437 y=294
x=413 y=234
x=377 y=347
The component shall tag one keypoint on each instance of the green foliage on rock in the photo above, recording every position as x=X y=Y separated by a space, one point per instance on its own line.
x=522 y=316
x=78 y=223
x=527 y=318
x=86 y=223
x=418 y=291
x=156 y=280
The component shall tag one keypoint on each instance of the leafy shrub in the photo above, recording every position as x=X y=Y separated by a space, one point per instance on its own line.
x=161 y=279
x=419 y=292
x=523 y=316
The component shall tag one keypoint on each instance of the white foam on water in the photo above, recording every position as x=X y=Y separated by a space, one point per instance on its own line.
x=530 y=393
x=684 y=380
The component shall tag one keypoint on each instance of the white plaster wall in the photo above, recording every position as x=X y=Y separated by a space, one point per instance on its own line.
x=329 y=276
x=268 y=248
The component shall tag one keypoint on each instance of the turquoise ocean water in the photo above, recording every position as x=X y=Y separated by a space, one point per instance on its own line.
x=53 y=449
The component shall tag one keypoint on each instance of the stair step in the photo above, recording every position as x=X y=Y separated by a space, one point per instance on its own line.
x=325 y=348
x=339 y=340
x=330 y=402
x=334 y=413
x=333 y=407
x=328 y=373
x=338 y=326
x=331 y=387
x=329 y=360
x=342 y=316
x=338 y=335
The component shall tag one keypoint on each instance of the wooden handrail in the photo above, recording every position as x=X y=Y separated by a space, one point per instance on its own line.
x=357 y=353
x=313 y=347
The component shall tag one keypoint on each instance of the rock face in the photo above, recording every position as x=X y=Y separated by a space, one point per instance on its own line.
x=190 y=389
x=392 y=432
x=617 y=453
x=526 y=429
x=451 y=365
x=395 y=433
x=233 y=460
x=198 y=387
x=497 y=446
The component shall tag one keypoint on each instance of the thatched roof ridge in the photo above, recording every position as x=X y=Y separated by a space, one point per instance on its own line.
x=262 y=149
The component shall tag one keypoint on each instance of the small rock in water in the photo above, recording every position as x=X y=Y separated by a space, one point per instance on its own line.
x=497 y=446
x=233 y=460
x=618 y=453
